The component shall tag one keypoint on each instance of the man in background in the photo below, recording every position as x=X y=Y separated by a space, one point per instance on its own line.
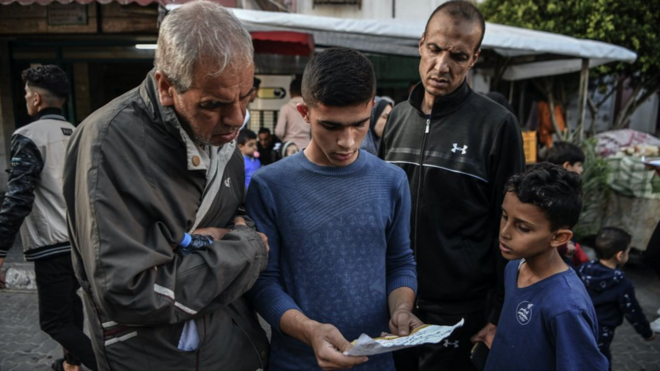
x=290 y=125
x=34 y=203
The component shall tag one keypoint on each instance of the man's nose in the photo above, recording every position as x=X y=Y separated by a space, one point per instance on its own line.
x=233 y=115
x=442 y=62
x=346 y=139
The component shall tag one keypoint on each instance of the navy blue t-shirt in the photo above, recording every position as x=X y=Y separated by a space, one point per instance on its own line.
x=550 y=325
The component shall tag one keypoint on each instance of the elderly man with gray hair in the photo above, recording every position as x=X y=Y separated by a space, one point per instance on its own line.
x=153 y=183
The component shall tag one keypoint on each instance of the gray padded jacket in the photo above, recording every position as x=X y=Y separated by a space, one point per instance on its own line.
x=133 y=187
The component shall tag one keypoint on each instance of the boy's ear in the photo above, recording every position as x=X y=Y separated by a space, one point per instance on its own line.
x=566 y=165
x=561 y=237
x=619 y=255
x=303 y=109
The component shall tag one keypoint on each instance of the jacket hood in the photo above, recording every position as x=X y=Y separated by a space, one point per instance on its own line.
x=598 y=277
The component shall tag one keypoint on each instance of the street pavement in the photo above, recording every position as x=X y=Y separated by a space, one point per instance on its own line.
x=24 y=347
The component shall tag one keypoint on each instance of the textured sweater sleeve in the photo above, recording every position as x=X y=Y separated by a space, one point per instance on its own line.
x=506 y=159
x=575 y=342
x=27 y=164
x=268 y=295
x=400 y=263
x=633 y=311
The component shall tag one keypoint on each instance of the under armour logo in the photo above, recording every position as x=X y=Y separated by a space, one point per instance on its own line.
x=448 y=343
x=463 y=150
x=228 y=182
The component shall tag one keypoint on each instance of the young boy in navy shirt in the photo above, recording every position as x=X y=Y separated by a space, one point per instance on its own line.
x=612 y=293
x=547 y=321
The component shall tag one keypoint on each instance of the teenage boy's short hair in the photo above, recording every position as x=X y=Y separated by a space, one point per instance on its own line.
x=555 y=190
x=562 y=152
x=611 y=240
x=338 y=77
x=245 y=135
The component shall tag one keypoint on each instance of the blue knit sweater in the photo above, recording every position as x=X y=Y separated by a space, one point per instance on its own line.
x=339 y=244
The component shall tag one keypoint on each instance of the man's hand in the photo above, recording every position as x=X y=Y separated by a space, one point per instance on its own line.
x=329 y=345
x=216 y=233
x=403 y=322
x=486 y=335
x=2 y=275
x=240 y=221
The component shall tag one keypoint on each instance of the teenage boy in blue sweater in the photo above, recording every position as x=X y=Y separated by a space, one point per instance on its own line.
x=612 y=293
x=547 y=321
x=337 y=220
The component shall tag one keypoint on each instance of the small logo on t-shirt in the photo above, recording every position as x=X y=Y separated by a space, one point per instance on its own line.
x=67 y=131
x=228 y=182
x=448 y=343
x=524 y=312
x=456 y=148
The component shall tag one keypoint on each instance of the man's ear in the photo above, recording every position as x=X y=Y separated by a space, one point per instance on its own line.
x=421 y=43
x=303 y=109
x=165 y=89
x=37 y=99
x=561 y=237
x=475 y=58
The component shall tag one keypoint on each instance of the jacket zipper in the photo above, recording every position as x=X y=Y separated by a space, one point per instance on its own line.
x=419 y=188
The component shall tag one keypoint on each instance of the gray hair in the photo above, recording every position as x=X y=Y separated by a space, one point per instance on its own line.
x=200 y=32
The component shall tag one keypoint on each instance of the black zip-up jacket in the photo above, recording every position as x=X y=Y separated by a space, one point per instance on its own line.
x=613 y=296
x=457 y=160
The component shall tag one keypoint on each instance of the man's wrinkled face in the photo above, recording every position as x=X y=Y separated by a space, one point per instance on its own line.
x=448 y=51
x=213 y=109
x=337 y=132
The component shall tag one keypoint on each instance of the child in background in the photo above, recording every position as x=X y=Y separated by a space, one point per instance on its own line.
x=247 y=143
x=570 y=157
x=289 y=148
x=548 y=321
x=612 y=293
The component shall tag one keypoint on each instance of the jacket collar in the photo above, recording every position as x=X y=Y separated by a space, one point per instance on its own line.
x=50 y=111
x=197 y=156
x=443 y=105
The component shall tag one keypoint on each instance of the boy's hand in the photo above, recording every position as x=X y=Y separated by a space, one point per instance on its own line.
x=486 y=335
x=329 y=345
x=650 y=338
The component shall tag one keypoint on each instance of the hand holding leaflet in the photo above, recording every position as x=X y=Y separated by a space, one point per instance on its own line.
x=366 y=346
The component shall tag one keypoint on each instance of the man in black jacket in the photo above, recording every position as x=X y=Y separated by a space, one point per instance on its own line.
x=458 y=148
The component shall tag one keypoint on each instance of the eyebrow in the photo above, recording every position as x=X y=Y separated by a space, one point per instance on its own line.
x=248 y=93
x=333 y=123
x=520 y=220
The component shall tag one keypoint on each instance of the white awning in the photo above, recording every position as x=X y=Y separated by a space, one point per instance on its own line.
x=401 y=37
